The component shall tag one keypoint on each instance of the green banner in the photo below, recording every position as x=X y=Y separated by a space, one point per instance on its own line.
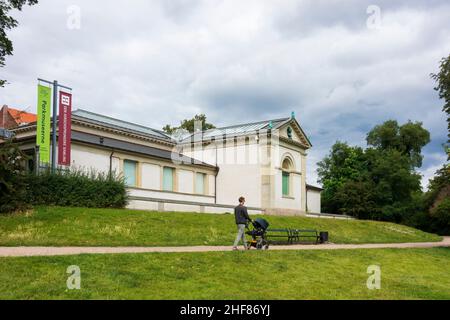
x=43 y=123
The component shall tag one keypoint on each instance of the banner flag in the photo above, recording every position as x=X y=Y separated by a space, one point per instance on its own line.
x=65 y=128
x=43 y=123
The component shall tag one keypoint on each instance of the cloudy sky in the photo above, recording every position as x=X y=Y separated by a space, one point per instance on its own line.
x=342 y=66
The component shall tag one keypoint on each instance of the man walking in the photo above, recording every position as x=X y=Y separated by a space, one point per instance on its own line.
x=242 y=218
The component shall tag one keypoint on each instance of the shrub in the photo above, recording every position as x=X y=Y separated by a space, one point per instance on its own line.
x=436 y=205
x=12 y=179
x=440 y=218
x=77 y=189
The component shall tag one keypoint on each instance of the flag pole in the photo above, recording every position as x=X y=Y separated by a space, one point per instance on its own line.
x=55 y=114
x=56 y=87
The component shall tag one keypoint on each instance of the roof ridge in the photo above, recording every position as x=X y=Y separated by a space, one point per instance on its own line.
x=124 y=121
x=249 y=123
x=111 y=118
x=156 y=132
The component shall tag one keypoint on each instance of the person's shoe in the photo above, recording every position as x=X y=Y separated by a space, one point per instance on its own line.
x=235 y=249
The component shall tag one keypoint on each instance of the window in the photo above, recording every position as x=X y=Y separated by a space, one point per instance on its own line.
x=129 y=171
x=200 y=183
x=168 y=179
x=286 y=179
x=287 y=168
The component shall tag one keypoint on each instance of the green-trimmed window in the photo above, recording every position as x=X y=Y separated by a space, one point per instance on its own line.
x=287 y=167
x=286 y=179
x=168 y=179
x=129 y=171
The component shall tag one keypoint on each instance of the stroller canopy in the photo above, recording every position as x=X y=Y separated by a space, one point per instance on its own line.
x=261 y=223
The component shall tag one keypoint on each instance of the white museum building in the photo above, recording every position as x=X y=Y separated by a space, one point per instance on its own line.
x=202 y=172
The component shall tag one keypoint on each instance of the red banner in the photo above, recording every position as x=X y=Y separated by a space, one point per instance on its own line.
x=65 y=128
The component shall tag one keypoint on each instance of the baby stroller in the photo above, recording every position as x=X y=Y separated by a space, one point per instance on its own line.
x=258 y=234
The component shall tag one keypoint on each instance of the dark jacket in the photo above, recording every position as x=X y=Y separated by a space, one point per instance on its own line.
x=241 y=215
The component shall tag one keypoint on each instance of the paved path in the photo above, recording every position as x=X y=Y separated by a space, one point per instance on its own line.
x=59 y=251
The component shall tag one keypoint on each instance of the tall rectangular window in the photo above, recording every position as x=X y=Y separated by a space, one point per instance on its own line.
x=286 y=191
x=200 y=183
x=168 y=177
x=129 y=171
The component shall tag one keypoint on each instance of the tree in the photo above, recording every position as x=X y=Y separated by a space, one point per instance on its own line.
x=378 y=182
x=394 y=182
x=356 y=198
x=409 y=139
x=7 y=22
x=443 y=88
x=189 y=124
x=344 y=163
x=439 y=188
x=385 y=136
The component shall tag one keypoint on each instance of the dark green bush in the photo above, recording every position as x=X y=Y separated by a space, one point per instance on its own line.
x=435 y=215
x=12 y=179
x=440 y=218
x=77 y=189
x=436 y=221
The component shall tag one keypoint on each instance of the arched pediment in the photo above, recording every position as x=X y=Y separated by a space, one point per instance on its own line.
x=291 y=131
x=287 y=162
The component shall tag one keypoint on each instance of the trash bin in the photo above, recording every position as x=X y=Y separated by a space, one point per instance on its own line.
x=323 y=236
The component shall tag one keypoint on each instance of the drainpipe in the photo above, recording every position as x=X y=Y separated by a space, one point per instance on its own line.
x=215 y=179
x=110 y=163
x=306 y=199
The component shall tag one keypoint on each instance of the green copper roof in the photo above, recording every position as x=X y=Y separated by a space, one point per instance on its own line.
x=243 y=129
x=119 y=124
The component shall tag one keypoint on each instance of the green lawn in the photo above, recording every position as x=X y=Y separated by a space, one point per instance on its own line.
x=55 y=226
x=405 y=274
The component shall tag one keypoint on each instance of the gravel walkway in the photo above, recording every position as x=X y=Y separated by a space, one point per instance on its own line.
x=59 y=251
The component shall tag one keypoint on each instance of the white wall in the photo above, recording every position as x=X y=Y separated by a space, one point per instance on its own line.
x=185 y=181
x=314 y=204
x=155 y=206
x=87 y=158
x=239 y=174
x=211 y=185
x=135 y=192
x=234 y=181
x=151 y=176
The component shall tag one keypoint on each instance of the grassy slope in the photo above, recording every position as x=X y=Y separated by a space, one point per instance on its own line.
x=406 y=274
x=54 y=226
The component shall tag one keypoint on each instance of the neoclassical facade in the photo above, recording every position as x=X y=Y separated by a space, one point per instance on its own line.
x=264 y=161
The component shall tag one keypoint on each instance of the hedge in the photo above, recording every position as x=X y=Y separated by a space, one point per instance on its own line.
x=76 y=189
